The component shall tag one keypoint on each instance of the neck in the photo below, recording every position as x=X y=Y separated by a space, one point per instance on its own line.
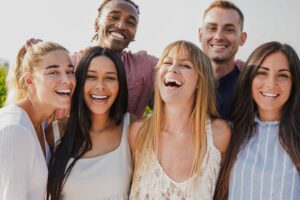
x=178 y=118
x=222 y=69
x=100 y=122
x=37 y=112
x=269 y=115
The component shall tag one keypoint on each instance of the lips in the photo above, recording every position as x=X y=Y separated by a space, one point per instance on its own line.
x=219 y=46
x=269 y=95
x=117 y=36
x=99 y=98
x=169 y=82
x=63 y=92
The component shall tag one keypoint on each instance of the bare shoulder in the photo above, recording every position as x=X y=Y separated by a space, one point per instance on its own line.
x=221 y=133
x=134 y=128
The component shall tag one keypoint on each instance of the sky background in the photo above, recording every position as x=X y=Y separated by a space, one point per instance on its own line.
x=70 y=23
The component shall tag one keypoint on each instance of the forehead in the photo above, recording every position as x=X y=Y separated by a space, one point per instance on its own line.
x=221 y=17
x=178 y=53
x=102 y=63
x=276 y=61
x=121 y=7
x=56 y=57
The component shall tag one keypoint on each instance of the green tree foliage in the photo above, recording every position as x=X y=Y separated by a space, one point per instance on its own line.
x=3 y=89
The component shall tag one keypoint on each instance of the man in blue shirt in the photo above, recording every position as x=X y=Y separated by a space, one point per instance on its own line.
x=221 y=36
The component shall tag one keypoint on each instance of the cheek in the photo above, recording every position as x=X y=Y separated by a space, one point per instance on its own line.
x=115 y=88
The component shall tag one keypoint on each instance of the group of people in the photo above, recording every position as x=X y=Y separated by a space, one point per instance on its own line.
x=219 y=128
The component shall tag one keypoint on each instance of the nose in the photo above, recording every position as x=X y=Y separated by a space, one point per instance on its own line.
x=121 y=24
x=218 y=34
x=173 y=68
x=66 y=78
x=100 y=84
x=271 y=81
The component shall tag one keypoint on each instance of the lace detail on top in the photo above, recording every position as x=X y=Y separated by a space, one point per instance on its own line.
x=154 y=183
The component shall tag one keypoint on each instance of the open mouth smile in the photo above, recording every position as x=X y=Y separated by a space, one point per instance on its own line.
x=63 y=92
x=172 y=83
x=269 y=95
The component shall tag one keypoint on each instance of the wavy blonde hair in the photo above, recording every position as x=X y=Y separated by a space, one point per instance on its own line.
x=27 y=58
x=147 y=139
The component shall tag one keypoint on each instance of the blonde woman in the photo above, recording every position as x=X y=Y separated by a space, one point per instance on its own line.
x=42 y=81
x=177 y=151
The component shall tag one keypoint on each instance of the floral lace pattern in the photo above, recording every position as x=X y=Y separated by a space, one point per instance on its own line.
x=153 y=182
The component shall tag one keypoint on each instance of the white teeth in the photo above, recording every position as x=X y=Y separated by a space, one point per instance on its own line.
x=172 y=82
x=117 y=35
x=219 y=46
x=98 y=97
x=272 y=95
x=63 y=91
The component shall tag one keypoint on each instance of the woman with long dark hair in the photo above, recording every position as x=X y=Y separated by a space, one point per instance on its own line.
x=263 y=161
x=93 y=159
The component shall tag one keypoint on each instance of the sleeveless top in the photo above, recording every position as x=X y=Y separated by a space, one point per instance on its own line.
x=154 y=183
x=263 y=170
x=103 y=177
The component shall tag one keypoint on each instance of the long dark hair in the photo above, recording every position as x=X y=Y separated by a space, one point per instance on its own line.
x=77 y=140
x=245 y=109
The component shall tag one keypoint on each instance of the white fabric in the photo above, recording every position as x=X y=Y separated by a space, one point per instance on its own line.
x=103 y=177
x=56 y=134
x=153 y=182
x=23 y=169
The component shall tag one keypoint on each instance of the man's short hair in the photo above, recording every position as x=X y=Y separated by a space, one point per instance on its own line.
x=225 y=5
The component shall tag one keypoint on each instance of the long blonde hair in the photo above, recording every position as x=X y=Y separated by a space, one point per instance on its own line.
x=147 y=139
x=27 y=58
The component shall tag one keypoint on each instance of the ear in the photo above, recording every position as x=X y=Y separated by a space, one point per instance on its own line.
x=243 y=38
x=200 y=34
x=28 y=79
x=96 y=24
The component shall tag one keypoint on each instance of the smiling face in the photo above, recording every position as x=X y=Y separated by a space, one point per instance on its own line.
x=177 y=78
x=53 y=79
x=117 y=25
x=271 y=86
x=221 y=34
x=101 y=86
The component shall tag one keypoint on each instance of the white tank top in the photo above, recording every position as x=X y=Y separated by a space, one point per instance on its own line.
x=153 y=182
x=103 y=177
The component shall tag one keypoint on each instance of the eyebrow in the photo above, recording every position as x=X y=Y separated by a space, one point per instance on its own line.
x=57 y=66
x=281 y=70
x=119 y=12
x=93 y=71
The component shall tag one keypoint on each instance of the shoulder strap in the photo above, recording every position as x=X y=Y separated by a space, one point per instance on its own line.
x=209 y=132
x=56 y=134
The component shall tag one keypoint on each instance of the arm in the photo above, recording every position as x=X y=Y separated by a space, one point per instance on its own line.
x=133 y=131
x=221 y=133
x=17 y=148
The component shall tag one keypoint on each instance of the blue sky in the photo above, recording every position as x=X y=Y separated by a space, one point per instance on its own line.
x=70 y=23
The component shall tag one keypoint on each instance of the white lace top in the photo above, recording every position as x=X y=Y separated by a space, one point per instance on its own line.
x=153 y=182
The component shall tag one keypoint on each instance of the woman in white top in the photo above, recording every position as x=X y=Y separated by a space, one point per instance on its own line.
x=93 y=159
x=264 y=155
x=177 y=151
x=42 y=81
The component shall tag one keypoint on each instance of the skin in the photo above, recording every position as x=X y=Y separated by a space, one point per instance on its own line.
x=180 y=69
x=117 y=25
x=220 y=37
x=100 y=91
x=271 y=87
x=53 y=75
x=176 y=144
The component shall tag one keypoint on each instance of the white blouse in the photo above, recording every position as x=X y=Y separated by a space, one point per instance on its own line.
x=102 y=177
x=23 y=169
